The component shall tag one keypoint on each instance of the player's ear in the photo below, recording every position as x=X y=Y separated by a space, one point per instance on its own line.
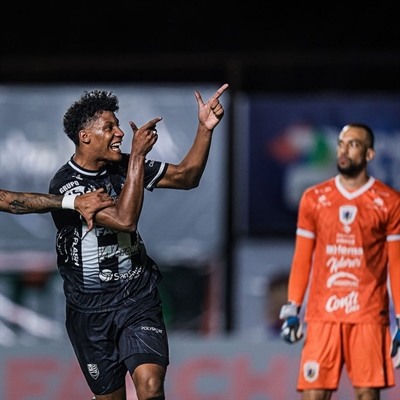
x=84 y=136
x=370 y=154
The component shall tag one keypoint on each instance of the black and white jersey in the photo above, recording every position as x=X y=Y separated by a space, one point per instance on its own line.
x=105 y=269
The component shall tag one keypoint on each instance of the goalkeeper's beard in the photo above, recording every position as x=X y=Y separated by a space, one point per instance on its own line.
x=353 y=169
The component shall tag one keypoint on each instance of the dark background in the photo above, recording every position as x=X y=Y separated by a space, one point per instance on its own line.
x=254 y=46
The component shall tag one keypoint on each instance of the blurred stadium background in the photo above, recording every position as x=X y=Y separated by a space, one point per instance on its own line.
x=297 y=74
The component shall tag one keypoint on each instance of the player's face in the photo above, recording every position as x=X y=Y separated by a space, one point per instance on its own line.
x=105 y=138
x=353 y=152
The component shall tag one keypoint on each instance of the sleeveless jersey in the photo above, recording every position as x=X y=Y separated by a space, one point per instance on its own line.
x=349 y=274
x=105 y=269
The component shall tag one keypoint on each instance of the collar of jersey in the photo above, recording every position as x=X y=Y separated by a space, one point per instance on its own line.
x=76 y=167
x=352 y=195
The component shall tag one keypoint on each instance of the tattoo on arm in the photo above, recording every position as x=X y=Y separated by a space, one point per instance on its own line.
x=25 y=203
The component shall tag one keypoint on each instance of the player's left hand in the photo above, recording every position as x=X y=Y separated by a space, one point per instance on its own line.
x=88 y=204
x=395 y=350
x=211 y=113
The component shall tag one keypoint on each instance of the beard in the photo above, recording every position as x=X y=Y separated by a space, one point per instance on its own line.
x=353 y=169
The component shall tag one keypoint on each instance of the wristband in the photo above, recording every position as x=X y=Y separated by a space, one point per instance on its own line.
x=68 y=201
x=289 y=310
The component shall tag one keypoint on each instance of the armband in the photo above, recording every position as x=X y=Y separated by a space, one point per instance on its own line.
x=68 y=201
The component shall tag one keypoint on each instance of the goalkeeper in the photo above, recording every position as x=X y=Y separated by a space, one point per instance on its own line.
x=347 y=245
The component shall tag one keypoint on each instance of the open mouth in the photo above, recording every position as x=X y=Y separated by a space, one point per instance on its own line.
x=116 y=147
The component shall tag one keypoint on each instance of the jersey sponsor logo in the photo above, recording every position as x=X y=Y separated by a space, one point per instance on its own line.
x=107 y=275
x=339 y=261
x=103 y=230
x=342 y=279
x=114 y=250
x=310 y=370
x=93 y=370
x=335 y=263
x=107 y=252
x=70 y=185
x=74 y=252
x=345 y=239
x=348 y=303
x=347 y=215
x=344 y=250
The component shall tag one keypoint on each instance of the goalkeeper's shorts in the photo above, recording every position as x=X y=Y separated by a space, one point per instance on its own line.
x=363 y=348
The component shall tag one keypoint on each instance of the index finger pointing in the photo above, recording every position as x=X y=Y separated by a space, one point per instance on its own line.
x=221 y=90
x=151 y=123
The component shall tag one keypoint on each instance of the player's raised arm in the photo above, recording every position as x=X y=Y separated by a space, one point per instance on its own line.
x=187 y=174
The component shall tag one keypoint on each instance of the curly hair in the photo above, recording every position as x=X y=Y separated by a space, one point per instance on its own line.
x=86 y=110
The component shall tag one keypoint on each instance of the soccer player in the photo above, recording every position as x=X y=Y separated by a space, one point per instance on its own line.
x=347 y=244
x=114 y=317
x=37 y=203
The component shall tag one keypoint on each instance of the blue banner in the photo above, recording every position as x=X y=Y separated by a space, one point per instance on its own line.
x=292 y=145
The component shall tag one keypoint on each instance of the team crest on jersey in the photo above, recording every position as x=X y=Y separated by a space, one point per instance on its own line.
x=347 y=215
x=93 y=370
x=311 y=371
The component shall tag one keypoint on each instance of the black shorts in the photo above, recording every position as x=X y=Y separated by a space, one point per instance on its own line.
x=104 y=341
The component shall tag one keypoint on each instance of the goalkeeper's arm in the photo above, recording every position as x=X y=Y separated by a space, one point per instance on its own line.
x=394 y=274
x=395 y=350
x=292 y=328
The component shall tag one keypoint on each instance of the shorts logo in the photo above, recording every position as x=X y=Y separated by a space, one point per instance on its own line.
x=93 y=370
x=151 y=329
x=310 y=371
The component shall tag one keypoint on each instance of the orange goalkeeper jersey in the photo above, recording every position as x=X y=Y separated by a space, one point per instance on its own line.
x=348 y=281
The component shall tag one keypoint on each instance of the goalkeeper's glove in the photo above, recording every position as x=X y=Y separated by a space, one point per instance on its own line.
x=395 y=352
x=292 y=328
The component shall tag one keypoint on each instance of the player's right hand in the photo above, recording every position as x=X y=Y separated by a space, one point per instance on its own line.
x=292 y=328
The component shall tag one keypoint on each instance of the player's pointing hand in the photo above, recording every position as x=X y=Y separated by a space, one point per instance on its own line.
x=210 y=113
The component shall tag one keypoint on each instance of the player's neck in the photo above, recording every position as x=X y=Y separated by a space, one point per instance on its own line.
x=353 y=182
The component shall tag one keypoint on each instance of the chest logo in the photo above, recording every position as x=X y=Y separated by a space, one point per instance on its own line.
x=347 y=215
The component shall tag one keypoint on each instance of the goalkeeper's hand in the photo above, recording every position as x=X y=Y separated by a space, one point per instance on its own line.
x=292 y=328
x=395 y=352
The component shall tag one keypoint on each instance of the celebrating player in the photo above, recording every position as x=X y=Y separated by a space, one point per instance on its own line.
x=114 y=316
